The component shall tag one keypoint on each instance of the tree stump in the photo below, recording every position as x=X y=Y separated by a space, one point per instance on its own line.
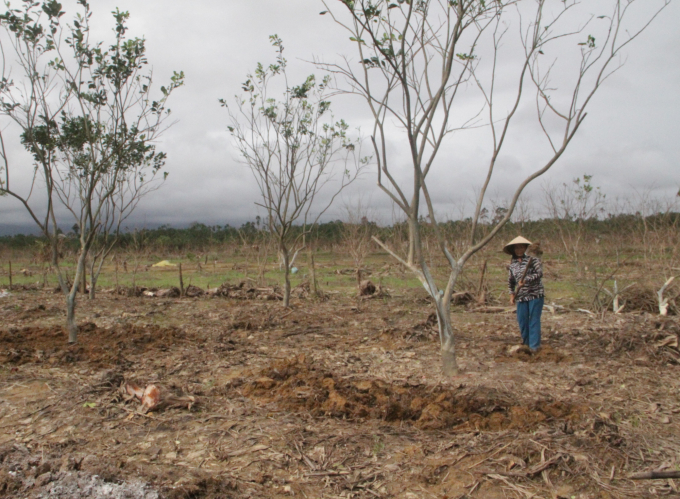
x=366 y=288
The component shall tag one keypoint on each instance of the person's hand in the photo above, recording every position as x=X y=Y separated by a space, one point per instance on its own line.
x=521 y=284
x=512 y=299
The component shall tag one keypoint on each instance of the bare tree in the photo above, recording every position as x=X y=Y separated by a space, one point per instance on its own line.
x=570 y=206
x=657 y=225
x=524 y=212
x=292 y=152
x=420 y=61
x=356 y=234
x=128 y=191
x=85 y=114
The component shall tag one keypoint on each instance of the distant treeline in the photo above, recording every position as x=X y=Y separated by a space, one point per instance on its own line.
x=200 y=237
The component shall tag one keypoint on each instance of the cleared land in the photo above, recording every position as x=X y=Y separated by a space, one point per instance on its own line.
x=334 y=398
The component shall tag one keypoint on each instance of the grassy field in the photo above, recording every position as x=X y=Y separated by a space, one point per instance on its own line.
x=574 y=284
x=562 y=281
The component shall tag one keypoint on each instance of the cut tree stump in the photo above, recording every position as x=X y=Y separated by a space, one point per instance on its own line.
x=173 y=292
x=193 y=291
x=156 y=398
x=367 y=288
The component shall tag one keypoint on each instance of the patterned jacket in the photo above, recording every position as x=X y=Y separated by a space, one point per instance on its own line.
x=533 y=286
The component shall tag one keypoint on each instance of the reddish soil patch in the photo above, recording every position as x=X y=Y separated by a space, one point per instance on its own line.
x=102 y=347
x=298 y=385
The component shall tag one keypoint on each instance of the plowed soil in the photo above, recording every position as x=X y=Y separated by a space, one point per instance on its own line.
x=96 y=346
x=297 y=385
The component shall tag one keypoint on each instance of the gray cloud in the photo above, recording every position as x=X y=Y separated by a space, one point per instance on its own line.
x=628 y=140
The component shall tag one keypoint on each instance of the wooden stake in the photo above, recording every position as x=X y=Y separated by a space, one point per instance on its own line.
x=481 y=295
x=116 y=263
x=481 y=279
x=181 y=281
x=10 y=274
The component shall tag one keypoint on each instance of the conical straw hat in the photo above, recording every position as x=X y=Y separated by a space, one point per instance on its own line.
x=518 y=240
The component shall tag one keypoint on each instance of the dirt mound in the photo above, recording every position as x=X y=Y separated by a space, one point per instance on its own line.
x=39 y=312
x=420 y=331
x=545 y=354
x=298 y=385
x=130 y=291
x=104 y=347
x=245 y=291
x=193 y=291
x=643 y=298
x=640 y=339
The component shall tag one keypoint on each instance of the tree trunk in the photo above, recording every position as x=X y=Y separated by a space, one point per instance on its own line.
x=312 y=271
x=95 y=272
x=93 y=285
x=448 y=350
x=286 y=274
x=71 y=296
x=411 y=242
x=449 y=364
x=442 y=301
x=93 y=278
x=71 y=316
x=84 y=277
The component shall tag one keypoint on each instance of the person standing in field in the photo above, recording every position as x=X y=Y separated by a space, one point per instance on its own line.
x=526 y=290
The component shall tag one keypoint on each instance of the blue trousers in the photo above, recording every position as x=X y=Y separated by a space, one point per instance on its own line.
x=529 y=319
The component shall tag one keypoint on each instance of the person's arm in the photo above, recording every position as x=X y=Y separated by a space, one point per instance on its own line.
x=511 y=285
x=535 y=272
x=512 y=282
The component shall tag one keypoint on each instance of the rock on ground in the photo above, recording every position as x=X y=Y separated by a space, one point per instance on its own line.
x=78 y=485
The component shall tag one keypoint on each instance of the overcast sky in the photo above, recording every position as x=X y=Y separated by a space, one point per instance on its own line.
x=629 y=141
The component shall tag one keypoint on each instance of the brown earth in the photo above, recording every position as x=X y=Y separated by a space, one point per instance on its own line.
x=331 y=399
x=96 y=346
x=297 y=385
